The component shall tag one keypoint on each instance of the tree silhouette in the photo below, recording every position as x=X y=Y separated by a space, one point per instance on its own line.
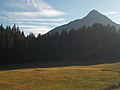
x=86 y=45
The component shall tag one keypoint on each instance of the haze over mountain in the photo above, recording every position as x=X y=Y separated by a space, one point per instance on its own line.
x=93 y=17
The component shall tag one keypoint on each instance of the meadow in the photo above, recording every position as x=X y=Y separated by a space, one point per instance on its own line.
x=94 y=77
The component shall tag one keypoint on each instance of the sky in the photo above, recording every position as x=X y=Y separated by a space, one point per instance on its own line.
x=41 y=16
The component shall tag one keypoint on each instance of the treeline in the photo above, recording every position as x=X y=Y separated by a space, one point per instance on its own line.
x=87 y=45
x=14 y=45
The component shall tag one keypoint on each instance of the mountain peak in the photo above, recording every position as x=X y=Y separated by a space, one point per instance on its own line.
x=93 y=17
x=94 y=13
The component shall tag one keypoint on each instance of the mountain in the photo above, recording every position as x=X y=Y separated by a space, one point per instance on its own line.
x=92 y=18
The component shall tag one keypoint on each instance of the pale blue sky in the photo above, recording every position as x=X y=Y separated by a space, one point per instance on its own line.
x=40 y=16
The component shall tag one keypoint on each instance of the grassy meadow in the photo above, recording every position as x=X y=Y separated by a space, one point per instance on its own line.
x=96 y=77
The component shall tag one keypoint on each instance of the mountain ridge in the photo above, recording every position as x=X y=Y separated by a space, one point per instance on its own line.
x=91 y=18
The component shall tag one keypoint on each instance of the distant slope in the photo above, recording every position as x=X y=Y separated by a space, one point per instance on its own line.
x=92 y=18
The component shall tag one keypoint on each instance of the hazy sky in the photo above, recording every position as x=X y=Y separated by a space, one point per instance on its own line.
x=40 y=16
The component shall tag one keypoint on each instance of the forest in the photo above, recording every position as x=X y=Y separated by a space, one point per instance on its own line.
x=86 y=45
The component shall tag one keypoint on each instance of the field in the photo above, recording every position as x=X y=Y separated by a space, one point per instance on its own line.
x=96 y=77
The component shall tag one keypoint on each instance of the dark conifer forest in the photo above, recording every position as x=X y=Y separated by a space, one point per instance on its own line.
x=87 y=45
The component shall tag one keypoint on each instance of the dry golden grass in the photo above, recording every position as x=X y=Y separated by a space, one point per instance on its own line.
x=97 y=77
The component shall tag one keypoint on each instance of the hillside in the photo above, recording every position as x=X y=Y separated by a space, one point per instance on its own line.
x=93 y=17
x=99 y=43
x=96 y=77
